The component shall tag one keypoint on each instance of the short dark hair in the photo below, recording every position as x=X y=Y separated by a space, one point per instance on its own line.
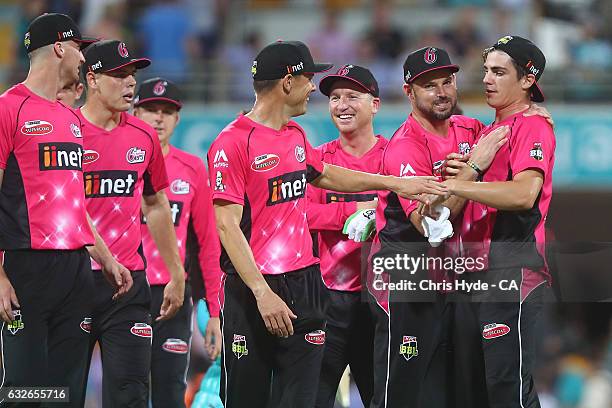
x=520 y=70
x=265 y=85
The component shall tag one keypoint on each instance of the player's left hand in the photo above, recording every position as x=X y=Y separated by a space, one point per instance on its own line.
x=174 y=293
x=453 y=164
x=212 y=338
x=535 y=109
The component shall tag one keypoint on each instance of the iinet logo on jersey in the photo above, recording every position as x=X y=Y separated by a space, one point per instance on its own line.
x=110 y=183
x=60 y=156
x=288 y=187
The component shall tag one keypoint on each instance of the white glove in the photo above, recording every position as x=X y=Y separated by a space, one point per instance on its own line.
x=360 y=225
x=438 y=230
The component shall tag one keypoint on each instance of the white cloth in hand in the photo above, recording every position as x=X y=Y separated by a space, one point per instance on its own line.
x=438 y=230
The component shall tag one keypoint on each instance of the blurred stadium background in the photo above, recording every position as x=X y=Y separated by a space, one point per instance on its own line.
x=207 y=46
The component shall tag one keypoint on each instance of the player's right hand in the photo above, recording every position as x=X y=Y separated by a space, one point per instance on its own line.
x=453 y=164
x=275 y=313
x=414 y=187
x=487 y=147
x=8 y=299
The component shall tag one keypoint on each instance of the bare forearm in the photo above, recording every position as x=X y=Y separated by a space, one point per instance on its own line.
x=241 y=255
x=350 y=181
x=503 y=195
x=415 y=219
x=455 y=203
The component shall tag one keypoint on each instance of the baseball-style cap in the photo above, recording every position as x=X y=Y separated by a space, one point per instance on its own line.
x=526 y=54
x=359 y=75
x=280 y=58
x=158 y=90
x=109 y=55
x=425 y=60
x=49 y=28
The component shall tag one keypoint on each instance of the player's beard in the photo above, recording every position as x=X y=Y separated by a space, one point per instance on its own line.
x=431 y=113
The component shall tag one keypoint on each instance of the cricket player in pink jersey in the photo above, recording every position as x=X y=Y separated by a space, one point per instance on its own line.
x=504 y=220
x=353 y=102
x=45 y=281
x=158 y=102
x=124 y=170
x=273 y=308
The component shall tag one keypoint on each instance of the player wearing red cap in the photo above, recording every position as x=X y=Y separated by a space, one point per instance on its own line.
x=158 y=103
x=124 y=170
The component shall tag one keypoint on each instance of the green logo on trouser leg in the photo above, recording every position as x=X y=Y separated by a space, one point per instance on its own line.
x=409 y=347
x=239 y=346
x=17 y=323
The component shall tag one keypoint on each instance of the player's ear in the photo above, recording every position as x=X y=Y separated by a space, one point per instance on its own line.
x=375 y=105
x=527 y=81
x=287 y=83
x=408 y=91
x=58 y=49
x=90 y=78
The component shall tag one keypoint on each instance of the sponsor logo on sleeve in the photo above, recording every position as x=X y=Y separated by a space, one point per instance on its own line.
x=142 y=330
x=287 y=187
x=16 y=324
x=239 y=346
x=86 y=325
x=176 y=346
x=536 y=152
x=409 y=347
x=495 y=330
x=219 y=186
x=265 y=162
x=220 y=159
x=36 y=128
x=60 y=156
x=135 y=155
x=90 y=156
x=179 y=186
x=316 y=337
x=300 y=153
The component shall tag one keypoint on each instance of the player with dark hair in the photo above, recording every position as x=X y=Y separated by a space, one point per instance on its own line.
x=45 y=280
x=124 y=171
x=158 y=103
x=504 y=221
x=273 y=309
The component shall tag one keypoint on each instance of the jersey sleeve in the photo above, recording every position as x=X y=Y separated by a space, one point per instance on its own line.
x=407 y=158
x=326 y=216
x=155 y=177
x=7 y=129
x=314 y=162
x=532 y=147
x=203 y=221
x=227 y=170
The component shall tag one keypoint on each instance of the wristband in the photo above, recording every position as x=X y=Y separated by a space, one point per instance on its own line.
x=475 y=167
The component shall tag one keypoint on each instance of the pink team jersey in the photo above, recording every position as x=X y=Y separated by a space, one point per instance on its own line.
x=42 y=205
x=191 y=206
x=413 y=151
x=328 y=210
x=266 y=170
x=515 y=236
x=120 y=166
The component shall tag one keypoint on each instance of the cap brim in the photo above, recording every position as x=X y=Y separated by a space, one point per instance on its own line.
x=536 y=93
x=138 y=62
x=453 y=68
x=326 y=83
x=85 y=42
x=321 y=67
x=159 y=99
